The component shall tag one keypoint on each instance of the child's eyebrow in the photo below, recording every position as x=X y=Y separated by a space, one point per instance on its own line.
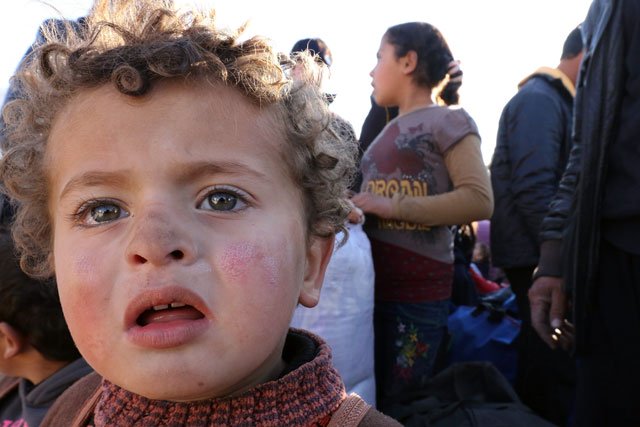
x=192 y=171
x=185 y=174
x=93 y=179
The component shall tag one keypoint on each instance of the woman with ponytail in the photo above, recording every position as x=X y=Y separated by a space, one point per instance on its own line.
x=423 y=173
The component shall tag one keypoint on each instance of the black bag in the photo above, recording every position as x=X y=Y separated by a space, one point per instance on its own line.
x=464 y=289
x=472 y=394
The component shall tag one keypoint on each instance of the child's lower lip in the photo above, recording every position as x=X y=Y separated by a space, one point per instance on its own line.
x=167 y=334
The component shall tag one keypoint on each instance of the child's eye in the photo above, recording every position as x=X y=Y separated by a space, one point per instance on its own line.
x=98 y=212
x=222 y=200
x=105 y=213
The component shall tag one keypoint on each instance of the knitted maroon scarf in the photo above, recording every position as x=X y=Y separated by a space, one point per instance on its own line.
x=305 y=396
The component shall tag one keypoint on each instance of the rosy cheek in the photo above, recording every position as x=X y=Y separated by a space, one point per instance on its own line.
x=271 y=268
x=236 y=261
x=245 y=263
x=84 y=287
x=83 y=303
x=83 y=268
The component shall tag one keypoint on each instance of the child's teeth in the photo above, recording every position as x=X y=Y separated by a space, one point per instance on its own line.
x=165 y=306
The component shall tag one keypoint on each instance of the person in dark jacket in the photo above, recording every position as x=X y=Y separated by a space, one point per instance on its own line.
x=590 y=252
x=534 y=140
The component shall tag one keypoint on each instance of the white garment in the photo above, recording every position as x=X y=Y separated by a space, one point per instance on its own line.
x=344 y=315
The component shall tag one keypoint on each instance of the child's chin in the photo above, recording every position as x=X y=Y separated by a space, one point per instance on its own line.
x=162 y=382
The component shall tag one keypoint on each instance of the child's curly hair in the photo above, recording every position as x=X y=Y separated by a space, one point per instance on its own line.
x=132 y=44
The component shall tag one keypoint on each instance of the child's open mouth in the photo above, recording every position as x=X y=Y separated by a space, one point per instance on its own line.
x=175 y=311
x=169 y=316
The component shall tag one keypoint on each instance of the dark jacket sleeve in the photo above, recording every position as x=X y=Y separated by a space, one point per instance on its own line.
x=535 y=126
x=553 y=225
x=555 y=222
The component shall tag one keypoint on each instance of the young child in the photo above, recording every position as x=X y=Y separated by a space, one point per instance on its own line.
x=422 y=173
x=186 y=194
x=37 y=354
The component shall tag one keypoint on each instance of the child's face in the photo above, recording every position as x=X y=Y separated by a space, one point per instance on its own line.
x=180 y=244
x=386 y=75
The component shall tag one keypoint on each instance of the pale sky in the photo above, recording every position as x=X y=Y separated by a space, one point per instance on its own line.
x=498 y=42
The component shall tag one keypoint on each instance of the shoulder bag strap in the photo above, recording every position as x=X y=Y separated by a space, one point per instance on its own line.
x=350 y=412
x=74 y=408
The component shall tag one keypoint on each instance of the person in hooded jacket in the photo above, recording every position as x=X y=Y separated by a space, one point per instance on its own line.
x=532 y=148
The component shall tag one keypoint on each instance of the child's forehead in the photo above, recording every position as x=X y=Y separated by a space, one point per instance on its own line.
x=198 y=108
x=197 y=93
x=216 y=101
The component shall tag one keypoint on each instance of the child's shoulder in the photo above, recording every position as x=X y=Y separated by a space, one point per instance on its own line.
x=75 y=406
x=445 y=115
x=450 y=113
x=447 y=124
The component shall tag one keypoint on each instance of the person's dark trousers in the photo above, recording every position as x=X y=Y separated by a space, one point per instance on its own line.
x=545 y=379
x=609 y=372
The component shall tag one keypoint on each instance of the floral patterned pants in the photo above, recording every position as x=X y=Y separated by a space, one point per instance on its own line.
x=407 y=339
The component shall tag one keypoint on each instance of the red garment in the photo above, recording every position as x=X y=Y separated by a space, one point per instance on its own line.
x=306 y=396
x=405 y=276
x=483 y=286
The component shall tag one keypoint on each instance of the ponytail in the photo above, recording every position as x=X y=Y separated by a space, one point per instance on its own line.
x=449 y=93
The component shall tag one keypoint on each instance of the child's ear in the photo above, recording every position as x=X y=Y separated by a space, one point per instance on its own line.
x=318 y=255
x=410 y=62
x=11 y=341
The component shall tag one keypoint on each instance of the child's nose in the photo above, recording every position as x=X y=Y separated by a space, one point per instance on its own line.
x=158 y=239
